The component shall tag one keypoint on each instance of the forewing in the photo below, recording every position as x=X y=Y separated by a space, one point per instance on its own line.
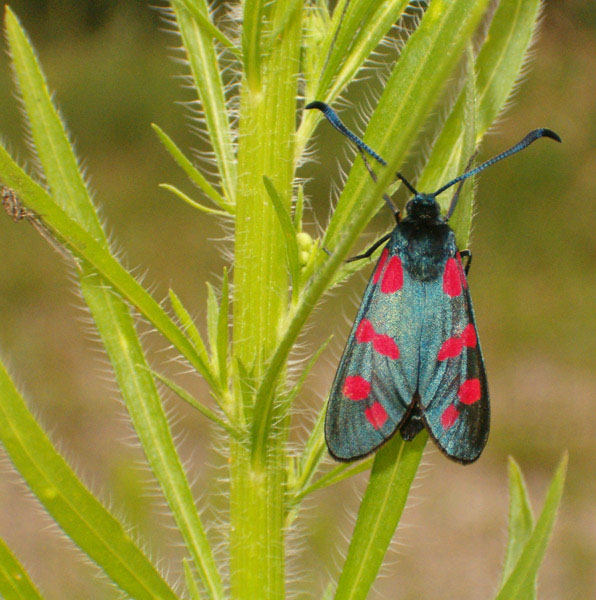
x=452 y=385
x=377 y=374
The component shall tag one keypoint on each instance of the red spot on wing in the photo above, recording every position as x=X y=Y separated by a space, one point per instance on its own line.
x=468 y=336
x=454 y=345
x=469 y=391
x=450 y=348
x=380 y=265
x=393 y=279
x=356 y=387
x=365 y=332
x=376 y=415
x=383 y=344
x=386 y=345
x=449 y=416
x=451 y=278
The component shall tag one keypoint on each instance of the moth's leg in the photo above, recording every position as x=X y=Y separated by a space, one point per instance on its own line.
x=370 y=251
x=466 y=254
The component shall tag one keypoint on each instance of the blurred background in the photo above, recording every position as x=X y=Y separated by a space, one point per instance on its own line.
x=109 y=64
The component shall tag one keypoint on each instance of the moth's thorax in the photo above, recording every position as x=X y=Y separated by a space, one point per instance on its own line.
x=424 y=246
x=423 y=207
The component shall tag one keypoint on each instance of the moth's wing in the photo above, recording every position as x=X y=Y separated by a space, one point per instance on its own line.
x=452 y=383
x=377 y=375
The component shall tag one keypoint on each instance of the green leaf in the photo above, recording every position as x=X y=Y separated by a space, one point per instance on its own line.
x=289 y=14
x=209 y=28
x=191 y=202
x=192 y=401
x=191 y=584
x=497 y=69
x=212 y=325
x=393 y=471
x=118 y=335
x=451 y=153
x=298 y=211
x=202 y=57
x=49 y=136
x=252 y=33
x=335 y=475
x=422 y=70
x=222 y=332
x=84 y=246
x=15 y=583
x=189 y=327
x=363 y=27
x=522 y=577
x=521 y=522
x=357 y=29
x=501 y=58
x=193 y=173
x=289 y=235
x=70 y=504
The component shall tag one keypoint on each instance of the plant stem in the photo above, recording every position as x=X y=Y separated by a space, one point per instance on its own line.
x=265 y=147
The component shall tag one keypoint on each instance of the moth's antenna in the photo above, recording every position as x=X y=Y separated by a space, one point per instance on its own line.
x=531 y=137
x=333 y=118
x=373 y=176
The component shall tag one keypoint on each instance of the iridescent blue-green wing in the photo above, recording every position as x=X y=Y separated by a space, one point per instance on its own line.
x=376 y=379
x=452 y=384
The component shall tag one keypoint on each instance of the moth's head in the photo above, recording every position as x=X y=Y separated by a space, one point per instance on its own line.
x=423 y=206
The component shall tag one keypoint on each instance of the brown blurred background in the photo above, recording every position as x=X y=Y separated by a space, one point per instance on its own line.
x=110 y=66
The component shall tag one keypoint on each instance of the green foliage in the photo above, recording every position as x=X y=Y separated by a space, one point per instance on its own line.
x=527 y=541
x=253 y=325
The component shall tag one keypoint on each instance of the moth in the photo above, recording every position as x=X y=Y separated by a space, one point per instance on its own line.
x=413 y=358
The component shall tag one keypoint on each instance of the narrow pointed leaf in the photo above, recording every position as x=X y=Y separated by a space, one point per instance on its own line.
x=191 y=584
x=252 y=34
x=118 y=335
x=364 y=26
x=49 y=135
x=335 y=475
x=15 y=583
x=191 y=202
x=347 y=48
x=84 y=246
x=409 y=94
x=209 y=28
x=212 y=324
x=223 y=332
x=461 y=220
x=193 y=173
x=498 y=67
x=202 y=57
x=299 y=209
x=451 y=153
x=393 y=471
x=521 y=523
x=189 y=326
x=523 y=575
x=289 y=14
x=70 y=504
x=192 y=401
x=305 y=372
x=289 y=234
x=502 y=56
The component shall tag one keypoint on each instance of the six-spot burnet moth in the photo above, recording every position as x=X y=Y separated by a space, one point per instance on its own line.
x=413 y=358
